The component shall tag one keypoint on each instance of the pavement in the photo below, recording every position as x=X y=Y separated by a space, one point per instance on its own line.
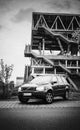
x=35 y=104
x=74 y=101
x=38 y=118
x=37 y=115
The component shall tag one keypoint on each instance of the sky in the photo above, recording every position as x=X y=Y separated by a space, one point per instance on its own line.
x=15 y=27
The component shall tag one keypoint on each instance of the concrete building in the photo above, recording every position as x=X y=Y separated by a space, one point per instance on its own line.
x=19 y=81
x=55 y=45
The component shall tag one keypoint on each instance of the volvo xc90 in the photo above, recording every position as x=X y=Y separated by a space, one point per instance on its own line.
x=44 y=87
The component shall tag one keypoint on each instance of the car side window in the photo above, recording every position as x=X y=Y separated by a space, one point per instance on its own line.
x=60 y=80
x=64 y=80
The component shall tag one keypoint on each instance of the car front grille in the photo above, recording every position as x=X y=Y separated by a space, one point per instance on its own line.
x=29 y=89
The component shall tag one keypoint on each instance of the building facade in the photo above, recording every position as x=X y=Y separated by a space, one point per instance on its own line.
x=55 y=45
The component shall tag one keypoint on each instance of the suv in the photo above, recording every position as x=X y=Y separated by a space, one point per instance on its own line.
x=44 y=87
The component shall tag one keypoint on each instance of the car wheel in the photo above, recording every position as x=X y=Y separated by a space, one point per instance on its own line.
x=49 y=97
x=22 y=100
x=66 y=96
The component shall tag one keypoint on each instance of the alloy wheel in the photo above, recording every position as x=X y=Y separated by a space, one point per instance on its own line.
x=49 y=97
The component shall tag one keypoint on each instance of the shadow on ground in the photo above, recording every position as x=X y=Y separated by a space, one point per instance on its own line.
x=42 y=102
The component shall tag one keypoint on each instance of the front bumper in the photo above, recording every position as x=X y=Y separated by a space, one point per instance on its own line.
x=35 y=94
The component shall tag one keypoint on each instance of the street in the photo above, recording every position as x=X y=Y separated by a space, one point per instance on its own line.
x=36 y=115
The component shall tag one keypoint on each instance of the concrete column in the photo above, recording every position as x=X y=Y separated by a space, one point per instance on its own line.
x=40 y=48
x=54 y=70
x=32 y=70
x=77 y=71
x=44 y=70
x=43 y=41
x=26 y=73
x=79 y=44
x=77 y=63
x=66 y=63
x=68 y=49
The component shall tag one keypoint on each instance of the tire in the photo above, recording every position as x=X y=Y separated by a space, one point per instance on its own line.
x=22 y=100
x=66 y=95
x=49 y=97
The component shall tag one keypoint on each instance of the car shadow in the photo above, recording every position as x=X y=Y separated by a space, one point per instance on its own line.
x=41 y=102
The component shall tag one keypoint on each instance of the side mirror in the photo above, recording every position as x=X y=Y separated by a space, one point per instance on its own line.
x=53 y=82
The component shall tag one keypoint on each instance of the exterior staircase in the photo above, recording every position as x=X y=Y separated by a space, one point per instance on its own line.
x=59 y=35
x=64 y=68
x=70 y=76
x=72 y=83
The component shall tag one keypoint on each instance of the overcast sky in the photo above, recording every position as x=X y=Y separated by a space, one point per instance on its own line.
x=15 y=26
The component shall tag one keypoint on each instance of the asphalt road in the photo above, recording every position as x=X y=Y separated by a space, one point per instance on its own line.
x=41 y=117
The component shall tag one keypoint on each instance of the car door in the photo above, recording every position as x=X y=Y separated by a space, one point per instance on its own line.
x=61 y=86
x=55 y=85
x=55 y=88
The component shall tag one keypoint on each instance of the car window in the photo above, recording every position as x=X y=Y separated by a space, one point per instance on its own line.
x=54 y=79
x=60 y=81
x=41 y=80
x=64 y=80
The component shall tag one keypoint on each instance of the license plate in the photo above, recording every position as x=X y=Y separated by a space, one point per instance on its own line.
x=27 y=94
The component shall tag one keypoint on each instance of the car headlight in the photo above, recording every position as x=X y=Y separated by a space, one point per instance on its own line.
x=19 y=89
x=42 y=88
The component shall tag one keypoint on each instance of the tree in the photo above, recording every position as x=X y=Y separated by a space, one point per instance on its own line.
x=5 y=71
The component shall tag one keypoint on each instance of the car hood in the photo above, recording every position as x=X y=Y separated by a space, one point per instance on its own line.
x=33 y=85
x=29 y=85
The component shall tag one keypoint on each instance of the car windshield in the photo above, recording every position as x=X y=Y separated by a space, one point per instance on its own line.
x=41 y=80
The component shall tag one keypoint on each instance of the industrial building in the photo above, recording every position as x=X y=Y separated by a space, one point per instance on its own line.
x=55 y=46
